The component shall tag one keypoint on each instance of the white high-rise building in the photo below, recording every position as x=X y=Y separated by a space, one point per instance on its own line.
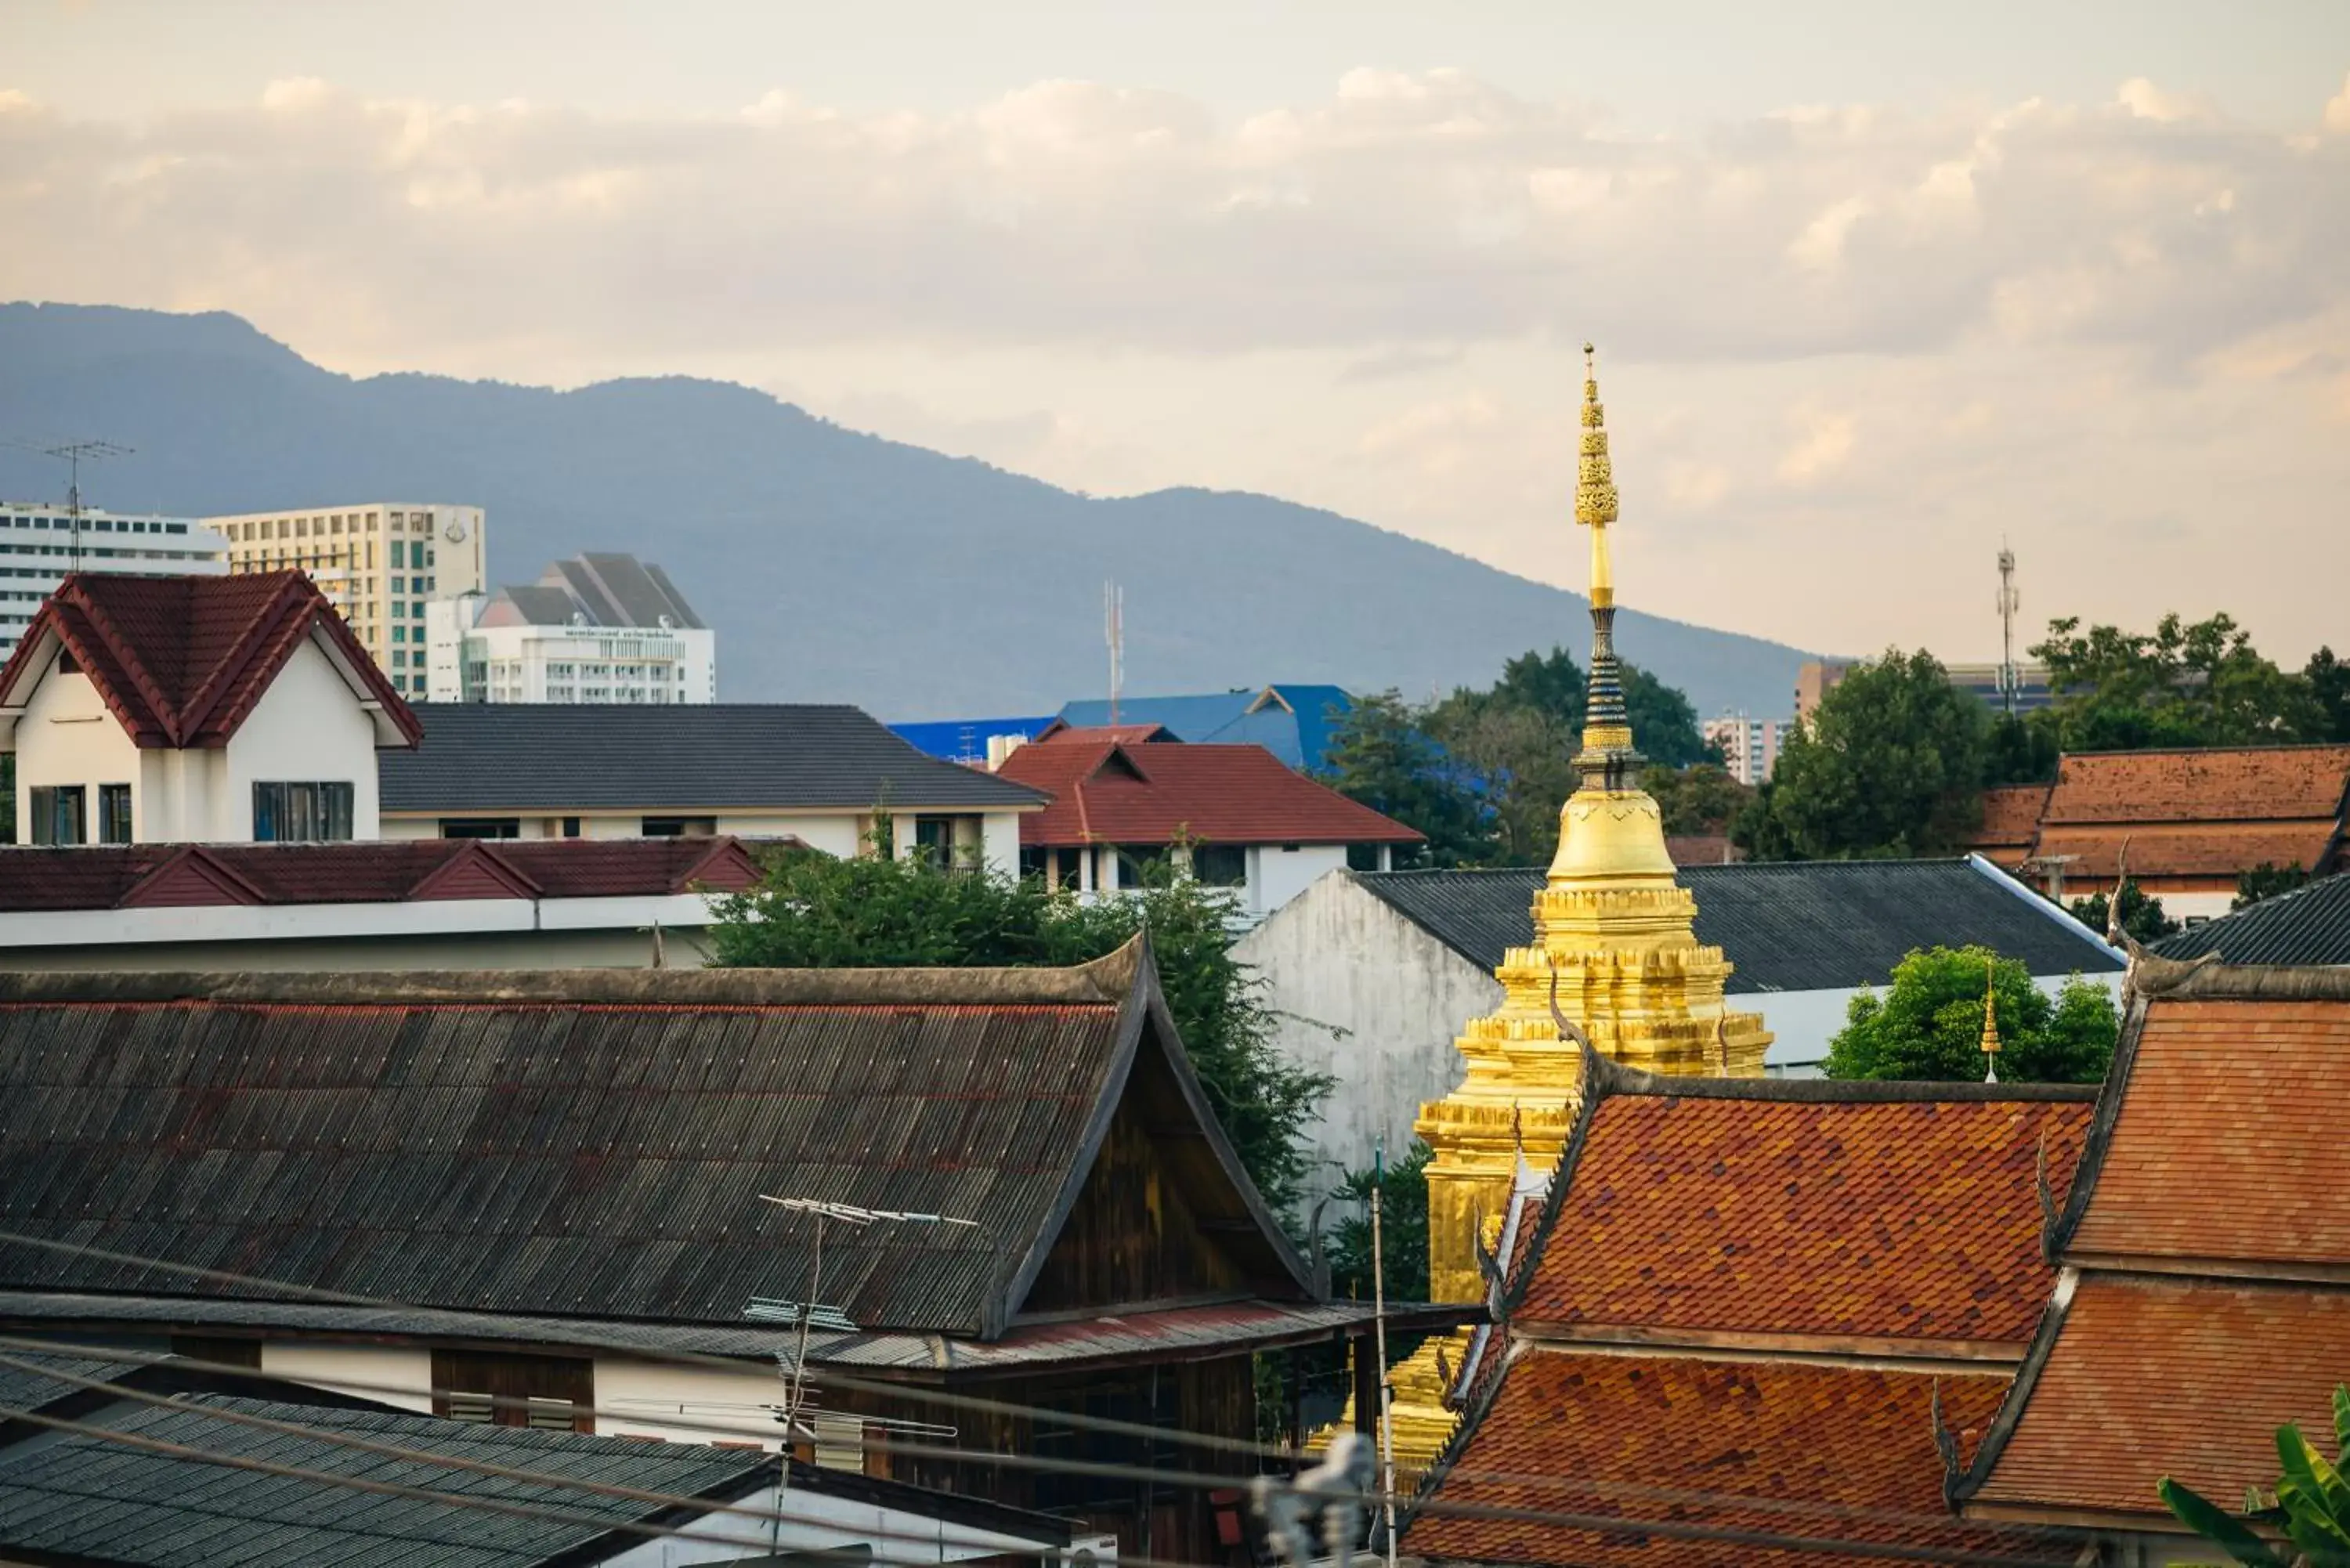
x=379 y=563
x=1750 y=747
x=594 y=629
x=39 y=544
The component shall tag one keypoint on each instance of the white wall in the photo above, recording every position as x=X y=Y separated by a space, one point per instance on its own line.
x=657 y=1397
x=1278 y=874
x=67 y=737
x=1000 y=839
x=815 y=1523
x=1338 y=956
x=308 y=725
x=364 y=1371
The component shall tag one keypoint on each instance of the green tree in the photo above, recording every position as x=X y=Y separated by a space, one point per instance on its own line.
x=1701 y=798
x=1891 y=764
x=2182 y=684
x=1403 y=1231
x=2021 y=752
x=2328 y=679
x=1517 y=762
x=2142 y=914
x=2265 y=881
x=1928 y=1023
x=1664 y=723
x=1382 y=755
x=2310 y=1507
x=813 y=911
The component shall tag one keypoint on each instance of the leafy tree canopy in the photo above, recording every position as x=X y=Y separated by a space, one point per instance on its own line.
x=1891 y=764
x=1403 y=1227
x=2142 y=914
x=1928 y=1023
x=2328 y=679
x=1701 y=798
x=816 y=912
x=2265 y=881
x=1382 y=754
x=2181 y=684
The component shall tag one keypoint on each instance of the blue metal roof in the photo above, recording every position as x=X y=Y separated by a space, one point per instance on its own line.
x=965 y=740
x=1293 y=723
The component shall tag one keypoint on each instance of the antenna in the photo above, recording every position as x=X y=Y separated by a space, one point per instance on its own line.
x=2009 y=603
x=73 y=452
x=1114 y=630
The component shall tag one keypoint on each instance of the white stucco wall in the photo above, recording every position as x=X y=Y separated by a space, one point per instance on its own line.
x=363 y=1371
x=1337 y=958
x=841 y=834
x=678 y=1404
x=69 y=737
x=306 y=726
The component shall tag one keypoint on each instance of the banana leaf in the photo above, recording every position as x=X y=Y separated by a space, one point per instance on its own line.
x=2215 y=1524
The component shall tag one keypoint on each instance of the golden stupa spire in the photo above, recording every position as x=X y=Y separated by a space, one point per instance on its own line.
x=1606 y=755
x=1990 y=1021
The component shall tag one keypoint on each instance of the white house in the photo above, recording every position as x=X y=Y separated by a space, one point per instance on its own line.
x=828 y=775
x=1371 y=976
x=219 y=709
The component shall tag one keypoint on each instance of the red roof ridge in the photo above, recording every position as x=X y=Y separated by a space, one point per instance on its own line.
x=474 y=859
x=196 y=862
x=726 y=847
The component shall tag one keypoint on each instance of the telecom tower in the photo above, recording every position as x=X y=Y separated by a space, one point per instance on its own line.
x=2009 y=603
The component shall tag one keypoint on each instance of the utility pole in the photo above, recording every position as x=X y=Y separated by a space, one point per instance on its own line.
x=1379 y=1333
x=2009 y=603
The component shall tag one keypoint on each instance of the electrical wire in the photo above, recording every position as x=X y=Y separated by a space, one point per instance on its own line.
x=1436 y=1506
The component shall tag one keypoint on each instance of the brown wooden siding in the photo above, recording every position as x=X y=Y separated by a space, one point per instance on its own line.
x=509 y=1377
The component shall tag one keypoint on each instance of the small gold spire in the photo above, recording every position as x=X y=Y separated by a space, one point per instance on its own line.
x=1606 y=750
x=1990 y=1021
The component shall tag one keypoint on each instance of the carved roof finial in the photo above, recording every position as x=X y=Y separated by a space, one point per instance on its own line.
x=1607 y=727
x=1990 y=1021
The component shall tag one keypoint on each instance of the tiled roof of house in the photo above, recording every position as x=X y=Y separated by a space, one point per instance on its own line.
x=2206 y=1248
x=1876 y=1212
x=594 y=1143
x=2171 y=849
x=2148 y=1377
x=1671 y=1445
x=2218 y=784
x=1062 y=733
x=1818 y=925
x=147 y=876
x=2231 y=1138
x=2011 y=817
x=1294 y=722
x=539 y=758
x=182 y=662
x=2309 y=925
x=1149 y=794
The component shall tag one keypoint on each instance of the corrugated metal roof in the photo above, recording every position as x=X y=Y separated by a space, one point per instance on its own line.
x=2309 y=925
x=588 y=1158
x=1294 y=722
x=556 y=757
x=84 y=1497
x=1814 y=925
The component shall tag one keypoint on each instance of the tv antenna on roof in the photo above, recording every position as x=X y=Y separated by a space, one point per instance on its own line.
x=73 y=452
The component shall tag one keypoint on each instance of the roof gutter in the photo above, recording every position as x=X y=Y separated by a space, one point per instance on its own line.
x=2048 y=908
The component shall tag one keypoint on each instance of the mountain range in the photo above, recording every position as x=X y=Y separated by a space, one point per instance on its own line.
x=837 y=566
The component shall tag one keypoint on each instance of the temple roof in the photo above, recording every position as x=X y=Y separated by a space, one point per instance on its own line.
x=2309 y=925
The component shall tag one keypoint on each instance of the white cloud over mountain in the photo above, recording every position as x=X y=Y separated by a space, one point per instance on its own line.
x=1836 y=328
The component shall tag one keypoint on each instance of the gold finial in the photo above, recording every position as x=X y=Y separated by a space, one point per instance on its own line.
x=1606 y=750
x=1990 y=1021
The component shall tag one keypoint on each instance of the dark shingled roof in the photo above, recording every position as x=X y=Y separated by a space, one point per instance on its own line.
x=90 y=1499
x=1814 y=925
x=710 y=756
x=2307 y=926
x=591 y=1142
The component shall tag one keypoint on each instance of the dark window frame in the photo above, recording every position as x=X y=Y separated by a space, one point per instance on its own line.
x=481 y=827
x=114 y=813
x=48 y=806
x=303 y=811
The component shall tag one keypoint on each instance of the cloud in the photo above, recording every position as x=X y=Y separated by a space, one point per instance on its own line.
x=2337 y=109
x=1823 y=445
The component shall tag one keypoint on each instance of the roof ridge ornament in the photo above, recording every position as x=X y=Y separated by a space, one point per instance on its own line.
x=1990 y=1020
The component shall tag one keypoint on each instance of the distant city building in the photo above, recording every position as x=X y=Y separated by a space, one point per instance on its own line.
x=594 y=629
x=1819 y=677
x=378 y=563
x=38 y=546
x=1750 y=747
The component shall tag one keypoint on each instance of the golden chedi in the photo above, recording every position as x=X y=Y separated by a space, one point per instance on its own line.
x=1613 y=931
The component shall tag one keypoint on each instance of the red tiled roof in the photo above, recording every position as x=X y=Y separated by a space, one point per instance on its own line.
x=2190 y=1378
x=182 y=662
x=1910 y=1219
x=1846 y=1452
x=2170 y=849
x=2232 y=1139
x=1110 y=793
x=2010 y=817
x=1702 y=849
x=147 y=876
x=1064 y=734
x=2232 y=784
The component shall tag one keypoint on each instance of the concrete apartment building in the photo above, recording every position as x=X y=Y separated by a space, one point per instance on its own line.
x=1750 y=747
x=39 y=544
x=378 y=563
x=594 y=629
x=1986 y=683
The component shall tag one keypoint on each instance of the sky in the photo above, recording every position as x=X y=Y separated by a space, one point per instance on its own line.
x=1876 y=286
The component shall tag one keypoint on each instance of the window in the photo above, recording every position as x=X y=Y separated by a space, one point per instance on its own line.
x=114 y=813
x=1220 y=864
x=398 y=557
x=481 y=827
x=934 y=839
x=301 y=812
x=571 y=830
x=58 y=813
x=551 y=1393
x=679 y=827
x=400 y=632
x=1135 y=862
